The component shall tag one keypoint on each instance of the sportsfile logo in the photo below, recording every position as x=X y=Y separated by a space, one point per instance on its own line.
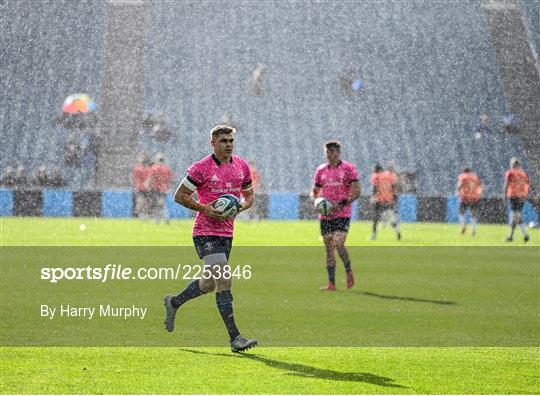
x=103 y=274
x=119 y=272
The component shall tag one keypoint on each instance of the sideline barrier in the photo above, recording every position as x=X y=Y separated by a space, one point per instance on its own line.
x=283 y=206
x=117 y=203
x=6 y=202
x=57 y=203
x=276 y=206
x=407 y=207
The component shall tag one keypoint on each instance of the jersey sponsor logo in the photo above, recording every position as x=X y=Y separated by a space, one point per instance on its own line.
x=333 y=184
x=225 y=190
x=214 y=178
x=333 y=180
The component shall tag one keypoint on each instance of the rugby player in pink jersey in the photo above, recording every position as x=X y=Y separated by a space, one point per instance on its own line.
x=217 y=174
x=336 y=181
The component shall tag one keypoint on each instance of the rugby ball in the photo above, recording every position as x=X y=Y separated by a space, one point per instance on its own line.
x=227 y=204
x=323 y=206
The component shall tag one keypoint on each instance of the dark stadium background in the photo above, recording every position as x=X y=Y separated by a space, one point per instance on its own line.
x=428 y=71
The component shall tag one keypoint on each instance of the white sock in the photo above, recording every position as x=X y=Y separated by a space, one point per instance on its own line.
x=522 y=228
x=473 y=224
x=462 y=220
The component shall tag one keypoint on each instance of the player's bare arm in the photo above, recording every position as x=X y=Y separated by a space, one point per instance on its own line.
x=184 y=196
x=353 y=195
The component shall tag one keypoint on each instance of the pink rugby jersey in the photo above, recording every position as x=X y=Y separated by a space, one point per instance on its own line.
x=211 y=178
x=335 y=184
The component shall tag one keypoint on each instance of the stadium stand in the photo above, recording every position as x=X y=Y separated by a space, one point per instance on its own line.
x=532 y=13
x=53 y=51
x=427 y=76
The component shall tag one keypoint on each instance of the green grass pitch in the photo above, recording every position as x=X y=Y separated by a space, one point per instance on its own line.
x=437 y=312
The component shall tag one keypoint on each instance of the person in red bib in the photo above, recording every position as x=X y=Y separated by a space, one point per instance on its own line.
x=516 y=189
x=142 y=184
x=469 y=190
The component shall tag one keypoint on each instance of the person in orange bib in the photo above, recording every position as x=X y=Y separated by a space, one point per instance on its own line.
x=161 y=179
x=516 y=189
x=469 y=190
x=384 y=196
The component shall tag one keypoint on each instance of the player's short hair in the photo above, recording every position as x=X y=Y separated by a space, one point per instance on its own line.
x=378 y=168
x=333 y=145
x=466 y=169
x=221 y=129
x=514 y=162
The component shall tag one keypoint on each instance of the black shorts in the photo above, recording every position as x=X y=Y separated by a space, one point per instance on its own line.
x=517 y=204
x=142 y=195
x=157 y=199
x=380 y=208
x=464 y=205
x=210 y=244
x=330 y=226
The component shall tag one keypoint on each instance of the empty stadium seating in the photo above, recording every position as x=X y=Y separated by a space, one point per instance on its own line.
x=428 y=72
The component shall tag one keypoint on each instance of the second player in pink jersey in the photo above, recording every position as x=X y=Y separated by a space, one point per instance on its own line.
x=215 y=175
x=336 y=181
